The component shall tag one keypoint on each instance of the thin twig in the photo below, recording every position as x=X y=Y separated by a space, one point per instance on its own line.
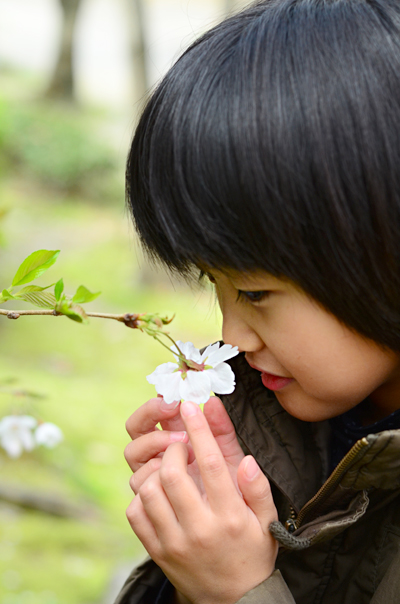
x=129 y=319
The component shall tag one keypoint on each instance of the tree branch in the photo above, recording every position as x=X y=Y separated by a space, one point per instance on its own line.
x=52 y=504
x=129 y=319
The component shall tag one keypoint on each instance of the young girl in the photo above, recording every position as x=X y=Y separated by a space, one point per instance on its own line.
x=268 y=158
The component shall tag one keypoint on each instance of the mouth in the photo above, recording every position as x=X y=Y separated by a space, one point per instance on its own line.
x=272 y=381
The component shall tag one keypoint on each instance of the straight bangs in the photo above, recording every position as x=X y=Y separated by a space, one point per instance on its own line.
x=273 y=144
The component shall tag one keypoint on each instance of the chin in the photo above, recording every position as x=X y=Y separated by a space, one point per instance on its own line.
x=306 y=410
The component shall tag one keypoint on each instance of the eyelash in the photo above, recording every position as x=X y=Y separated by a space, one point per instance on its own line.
x=252 y=297
x=243 y=296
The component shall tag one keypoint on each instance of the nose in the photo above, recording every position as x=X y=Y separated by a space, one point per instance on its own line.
x=237 y=332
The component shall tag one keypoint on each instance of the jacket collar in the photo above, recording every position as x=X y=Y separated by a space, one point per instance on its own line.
x=295 y=454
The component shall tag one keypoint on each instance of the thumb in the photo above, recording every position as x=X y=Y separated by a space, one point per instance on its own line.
x=256 y=491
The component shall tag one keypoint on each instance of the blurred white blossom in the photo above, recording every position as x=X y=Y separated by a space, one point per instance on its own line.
x=16 y=434
x=195 y=374
x=19 y=433
x=48 y=434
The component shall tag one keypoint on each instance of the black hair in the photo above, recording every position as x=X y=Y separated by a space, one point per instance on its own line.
x=273 y=143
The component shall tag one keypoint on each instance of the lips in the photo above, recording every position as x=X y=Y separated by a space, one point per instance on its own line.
x=272 y=381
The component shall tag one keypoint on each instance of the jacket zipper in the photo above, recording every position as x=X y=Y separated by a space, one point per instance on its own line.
x=327 y=488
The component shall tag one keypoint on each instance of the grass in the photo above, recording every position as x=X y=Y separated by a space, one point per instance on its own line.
x=93 y=378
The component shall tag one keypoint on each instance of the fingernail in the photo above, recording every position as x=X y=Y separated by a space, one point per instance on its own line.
x=251 y=468
x=188 y=409
x=168 y=406
x=177 y=437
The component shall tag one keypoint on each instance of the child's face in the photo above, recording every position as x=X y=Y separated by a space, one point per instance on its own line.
x=285 y=333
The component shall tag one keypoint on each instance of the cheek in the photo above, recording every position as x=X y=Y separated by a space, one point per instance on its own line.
x=346 y=369
x=326 y=359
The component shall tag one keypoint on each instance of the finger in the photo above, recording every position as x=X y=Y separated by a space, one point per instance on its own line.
x=179 y=487
x=142 y=526
x=138 y=478
x=158 y=508
x=174 y=423
x=153 y=465
x=223 y=430
x=218 y=484
x=139 y=451
x=146 y=418
x=256 y=491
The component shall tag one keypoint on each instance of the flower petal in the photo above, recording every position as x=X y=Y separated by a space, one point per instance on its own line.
x=209 y=350
x=164 y=369
x=188 y=350
x=12 y=446
x=16 y=423
x=222 y=379
x=169 y=386
x=48 y=434
x=196 y=387
x=27 y=440
x=223 y=354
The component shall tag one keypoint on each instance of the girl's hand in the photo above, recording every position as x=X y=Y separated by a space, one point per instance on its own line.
x=144 y=454
x=215 y=546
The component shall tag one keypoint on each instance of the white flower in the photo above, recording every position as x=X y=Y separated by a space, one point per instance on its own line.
x=16 y=434
x=195 y=376
x=48 y=434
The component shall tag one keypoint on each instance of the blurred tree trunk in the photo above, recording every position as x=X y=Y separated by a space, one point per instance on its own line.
x=230 y=6
x=62 y=83
x=52 y=504
x=139 y=49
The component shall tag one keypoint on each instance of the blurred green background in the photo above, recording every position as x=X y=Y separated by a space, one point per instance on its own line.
x=65 y=126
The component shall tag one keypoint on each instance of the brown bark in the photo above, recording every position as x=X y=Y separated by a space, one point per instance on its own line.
x=48 y=504
x=234 y=6
x=139 y=50
x=62 y=83
x=230 y=7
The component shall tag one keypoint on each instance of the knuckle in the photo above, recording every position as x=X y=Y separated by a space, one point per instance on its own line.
x=143 y=473
x=129 y=454
x=153 y=464
x=176 y=551
x=128 y=424
x=233 y=525
x=201 y=538
x=148 y=490
x=131 y=425
x=133 y=511
x=169 y=475
x=211 y=463
x=132 y=483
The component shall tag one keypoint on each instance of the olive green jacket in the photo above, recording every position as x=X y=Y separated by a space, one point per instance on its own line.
x=339 y=534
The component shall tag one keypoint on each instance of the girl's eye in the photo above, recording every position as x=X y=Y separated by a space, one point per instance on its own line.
x=252 y=296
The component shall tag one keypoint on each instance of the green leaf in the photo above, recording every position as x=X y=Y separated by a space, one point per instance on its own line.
x=41 y=299
x=34 y=265
x=5 y=294
x=72 y=311
x=30 y=288
x=58 y=289
x=84 y=295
